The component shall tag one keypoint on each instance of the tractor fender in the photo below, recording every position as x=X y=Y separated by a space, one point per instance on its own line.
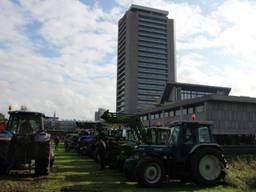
x=42 y=137
x=199 y=146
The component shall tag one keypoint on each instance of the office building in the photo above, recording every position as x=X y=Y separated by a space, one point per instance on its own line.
x=146 y=58
x=233 y=118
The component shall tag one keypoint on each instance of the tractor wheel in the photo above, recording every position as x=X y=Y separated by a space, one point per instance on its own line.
x=150 y=172
x=4 y=153
x=113 y=161
x=42 y=162
x=3 y=167
x=208 y=166
x=129 y=172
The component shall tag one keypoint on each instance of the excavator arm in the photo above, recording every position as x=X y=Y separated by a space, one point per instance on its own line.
x=133 y=121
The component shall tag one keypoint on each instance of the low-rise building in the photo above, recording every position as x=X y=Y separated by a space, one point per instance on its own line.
x=232 y=116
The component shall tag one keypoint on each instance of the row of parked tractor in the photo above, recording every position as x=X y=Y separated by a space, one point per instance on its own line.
x=183 y=150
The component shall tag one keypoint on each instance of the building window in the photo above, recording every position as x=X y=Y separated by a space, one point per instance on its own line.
x=166 y=114
x=190 y=110
x=199 y=109
x=157 y=116
x=184 y=111
x=171 y=113
x=178 y=112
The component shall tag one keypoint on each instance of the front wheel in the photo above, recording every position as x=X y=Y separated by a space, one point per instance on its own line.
x=150 y=172
x=208 y=166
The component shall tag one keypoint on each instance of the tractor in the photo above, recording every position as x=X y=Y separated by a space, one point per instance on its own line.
x=25 y=139
x=70 y=141
x=189 y=153
x=121 y=141
x=132 y=133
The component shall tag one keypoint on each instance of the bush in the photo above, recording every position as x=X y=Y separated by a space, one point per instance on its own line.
x=241 y=174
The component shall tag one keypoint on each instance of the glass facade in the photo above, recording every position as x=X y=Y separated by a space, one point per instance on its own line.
x=186 y=110
x=145 y=58
x=152 y=59
x=187 y=94
x=121 y=65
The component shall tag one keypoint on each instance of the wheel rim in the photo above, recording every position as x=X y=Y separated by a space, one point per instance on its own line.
x=210 y=167
x=152 y=173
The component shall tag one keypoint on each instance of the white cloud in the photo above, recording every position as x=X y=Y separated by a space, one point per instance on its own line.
x=75 y=82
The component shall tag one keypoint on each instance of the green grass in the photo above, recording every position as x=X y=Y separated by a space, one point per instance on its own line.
x=242 y=175
x=72 y=173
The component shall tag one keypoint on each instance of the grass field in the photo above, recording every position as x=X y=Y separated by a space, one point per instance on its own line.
x=72 y=173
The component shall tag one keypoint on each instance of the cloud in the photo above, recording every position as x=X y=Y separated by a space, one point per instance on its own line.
x=62 y=57
x=214 y=47
x=74 y=82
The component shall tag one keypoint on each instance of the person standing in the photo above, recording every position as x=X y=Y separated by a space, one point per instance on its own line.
x=102 y=149
x=56 y=142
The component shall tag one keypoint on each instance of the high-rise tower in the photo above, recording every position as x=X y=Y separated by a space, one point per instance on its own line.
x=146 y=58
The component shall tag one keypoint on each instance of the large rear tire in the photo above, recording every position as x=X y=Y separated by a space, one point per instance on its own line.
x=3 y=167
x=150 y=172
x=42 y=162
x=208 y=166
x=4 y=153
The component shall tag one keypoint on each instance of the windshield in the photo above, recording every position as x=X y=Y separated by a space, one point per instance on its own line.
x=130 y=135
x=163 y=136
x=158 y=135
x=204 y=135
x=24 y=124
x=175 y=131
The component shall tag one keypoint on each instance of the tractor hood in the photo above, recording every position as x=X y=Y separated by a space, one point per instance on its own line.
x=153 y=148
x=87 y=138
x=160 y=151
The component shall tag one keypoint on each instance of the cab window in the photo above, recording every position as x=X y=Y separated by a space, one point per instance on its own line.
x=189 y=139
x=163 y=137
x=23 y=124
x=204 y=135
x=174 y=135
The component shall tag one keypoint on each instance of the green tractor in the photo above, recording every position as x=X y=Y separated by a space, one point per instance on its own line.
x=189 y=153
x=132 y=133
x=25 y=139
x=70 y=141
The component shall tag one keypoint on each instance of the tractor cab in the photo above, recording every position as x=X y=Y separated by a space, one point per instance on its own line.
x=187 y=135
x=23 y=123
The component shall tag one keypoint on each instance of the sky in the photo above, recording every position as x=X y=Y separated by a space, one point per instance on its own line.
x=60 y=55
